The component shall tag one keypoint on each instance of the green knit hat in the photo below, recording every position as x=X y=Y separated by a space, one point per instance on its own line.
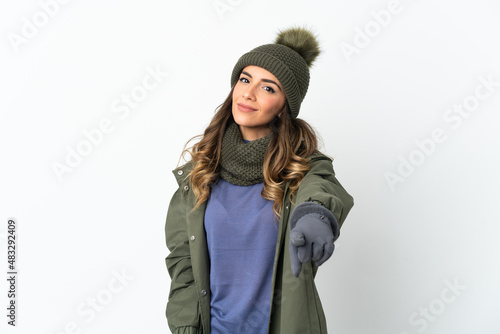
x=289 y=59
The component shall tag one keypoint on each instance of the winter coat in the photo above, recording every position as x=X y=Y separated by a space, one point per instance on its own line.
x=295 y=303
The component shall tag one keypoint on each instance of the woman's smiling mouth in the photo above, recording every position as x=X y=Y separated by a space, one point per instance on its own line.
x=245 y=108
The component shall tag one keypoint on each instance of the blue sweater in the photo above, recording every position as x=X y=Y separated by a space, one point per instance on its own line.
x=241 y=235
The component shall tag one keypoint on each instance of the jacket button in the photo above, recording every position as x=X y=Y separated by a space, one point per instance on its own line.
x=192 y=238
x=186 y=188
x=180 y=172
x=203 y=292
x=286 y=207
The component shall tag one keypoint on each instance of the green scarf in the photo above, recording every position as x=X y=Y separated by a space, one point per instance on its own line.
x=241 y=163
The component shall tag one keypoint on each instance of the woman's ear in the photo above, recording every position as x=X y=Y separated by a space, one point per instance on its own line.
x=282 y=109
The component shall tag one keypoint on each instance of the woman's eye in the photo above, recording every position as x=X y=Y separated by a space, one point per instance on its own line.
x=244 y=80
x=269 y=89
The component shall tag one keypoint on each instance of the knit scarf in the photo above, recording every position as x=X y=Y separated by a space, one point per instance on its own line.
x=241 y=163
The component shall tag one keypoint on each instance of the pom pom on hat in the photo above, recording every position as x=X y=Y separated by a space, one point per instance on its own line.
x=288 y=59
x=301 y=41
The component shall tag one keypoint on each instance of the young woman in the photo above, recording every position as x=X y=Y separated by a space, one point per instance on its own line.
x=258 y=208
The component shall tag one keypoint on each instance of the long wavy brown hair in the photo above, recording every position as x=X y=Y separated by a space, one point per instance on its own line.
x=292 y=141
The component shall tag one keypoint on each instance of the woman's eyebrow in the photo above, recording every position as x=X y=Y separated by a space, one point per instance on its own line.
x=265 y=80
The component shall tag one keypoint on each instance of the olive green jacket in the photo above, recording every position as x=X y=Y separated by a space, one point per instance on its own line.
x=295 y=303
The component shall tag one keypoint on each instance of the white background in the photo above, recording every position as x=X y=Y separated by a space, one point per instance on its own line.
x=399 y=246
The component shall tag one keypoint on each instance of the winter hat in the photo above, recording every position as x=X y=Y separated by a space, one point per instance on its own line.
x=288 y=59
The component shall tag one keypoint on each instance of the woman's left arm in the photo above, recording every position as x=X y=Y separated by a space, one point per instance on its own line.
x=322 y=187
x=320 y=207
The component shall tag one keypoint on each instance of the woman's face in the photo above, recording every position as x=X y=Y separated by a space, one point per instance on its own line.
x=257 y=98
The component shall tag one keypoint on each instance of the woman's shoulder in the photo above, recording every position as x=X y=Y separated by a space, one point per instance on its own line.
x=316 y=156
x=320 y=163
x=181 y=172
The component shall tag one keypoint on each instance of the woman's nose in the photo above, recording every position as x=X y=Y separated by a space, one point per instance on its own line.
x=249 y=93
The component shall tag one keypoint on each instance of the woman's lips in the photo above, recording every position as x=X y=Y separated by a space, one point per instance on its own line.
x=245 y=108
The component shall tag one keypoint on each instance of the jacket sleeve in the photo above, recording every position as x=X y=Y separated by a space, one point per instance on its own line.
x=182 y=311
x=321 y=186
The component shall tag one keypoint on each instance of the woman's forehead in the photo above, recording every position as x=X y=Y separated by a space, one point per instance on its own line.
x=257 y=70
